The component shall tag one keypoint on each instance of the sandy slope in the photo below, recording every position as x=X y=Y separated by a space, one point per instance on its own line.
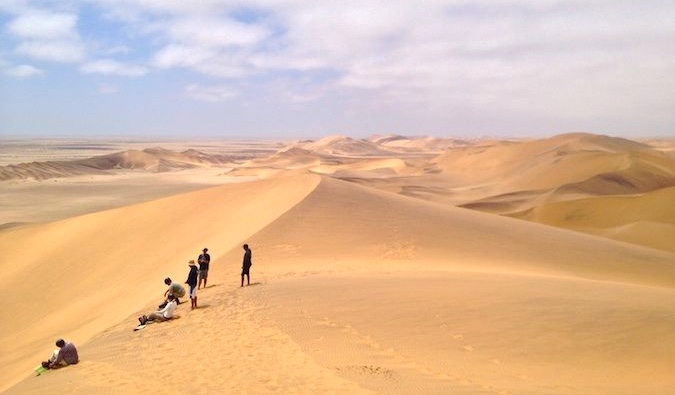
x=83 y=274
x=621 y=217
x=355 y=291
x=362 y=291
x=386 y=227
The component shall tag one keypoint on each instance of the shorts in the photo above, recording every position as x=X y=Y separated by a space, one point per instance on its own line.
x=193 y=291
x=245 y=270
x=203 y=274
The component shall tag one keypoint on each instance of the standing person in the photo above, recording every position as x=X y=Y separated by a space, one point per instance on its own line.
x=65 y=355
x=246 y=266
x=192 y=282
x=203 y=260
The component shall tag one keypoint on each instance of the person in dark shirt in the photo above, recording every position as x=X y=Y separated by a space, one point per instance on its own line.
x=65 y=355
x=203 y=260
x=192 y=282
x=246 y=266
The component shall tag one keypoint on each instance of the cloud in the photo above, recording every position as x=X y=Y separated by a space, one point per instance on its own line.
x=52 y=50
x=45 y=35
x=44 y=25
x=543 y=58
x=204 y=60
x=24 y=71
x=212 y=32
x=210 y=94
x=112 y=67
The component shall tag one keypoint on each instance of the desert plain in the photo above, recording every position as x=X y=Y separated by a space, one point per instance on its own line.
x=385 y=265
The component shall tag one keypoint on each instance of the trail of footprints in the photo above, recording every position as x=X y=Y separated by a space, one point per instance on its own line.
x=394 y=362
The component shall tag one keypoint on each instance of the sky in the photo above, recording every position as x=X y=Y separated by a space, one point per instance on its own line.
x=310 y=68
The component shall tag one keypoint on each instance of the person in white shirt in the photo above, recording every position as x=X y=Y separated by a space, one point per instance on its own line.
x=161 y=315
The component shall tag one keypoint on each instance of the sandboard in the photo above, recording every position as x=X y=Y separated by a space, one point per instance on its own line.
x=138 y=328
x=40 y=370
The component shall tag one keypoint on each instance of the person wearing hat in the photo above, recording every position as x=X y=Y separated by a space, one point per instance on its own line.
x=203 y=260
x=192 y=282
x=65 y=355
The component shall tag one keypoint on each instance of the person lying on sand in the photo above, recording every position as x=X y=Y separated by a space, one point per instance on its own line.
x=161 y=315
x=64 y=355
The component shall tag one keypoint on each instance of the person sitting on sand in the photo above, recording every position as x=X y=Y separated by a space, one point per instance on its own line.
x=164 y=314
x=192 y=282
x=246 y=266
x=174 y=289
x=203 y=260
x=65 y=355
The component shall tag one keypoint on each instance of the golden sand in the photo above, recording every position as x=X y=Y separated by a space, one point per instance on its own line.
x=364 y=280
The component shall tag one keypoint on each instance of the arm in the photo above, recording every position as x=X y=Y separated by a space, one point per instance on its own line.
x=59 y=358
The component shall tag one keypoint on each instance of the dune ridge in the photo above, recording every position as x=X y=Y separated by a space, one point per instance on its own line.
x=88 y=272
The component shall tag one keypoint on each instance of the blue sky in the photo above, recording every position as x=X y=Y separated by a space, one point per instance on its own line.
x=304 y=69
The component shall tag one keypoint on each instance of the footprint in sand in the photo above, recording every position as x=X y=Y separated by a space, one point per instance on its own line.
x=468 y=348
x=458 y=337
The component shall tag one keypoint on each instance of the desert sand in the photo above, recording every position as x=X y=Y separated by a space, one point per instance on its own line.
x=370 y=274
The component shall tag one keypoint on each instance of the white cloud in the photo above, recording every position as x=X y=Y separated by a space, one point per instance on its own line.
x=207 y=61
x=24 y=71
x=46 y=35
x=547 y=57
x=174 y=55
x=211 y=94
x=44 y=25
x=211 y=32
x=112 y=67
x=65 y=51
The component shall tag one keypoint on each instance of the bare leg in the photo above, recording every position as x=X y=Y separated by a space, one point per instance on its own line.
x=248 y=279
x=242 y=280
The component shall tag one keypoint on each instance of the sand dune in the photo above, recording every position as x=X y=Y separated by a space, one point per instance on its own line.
x=343 y=146
x=363 y=290
x=84 y=274
x=555 y=162
x=620 y=217
x=384 y=226
x=425 y=144
x=287 y=158
x=150 y=159
x=299 y=229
